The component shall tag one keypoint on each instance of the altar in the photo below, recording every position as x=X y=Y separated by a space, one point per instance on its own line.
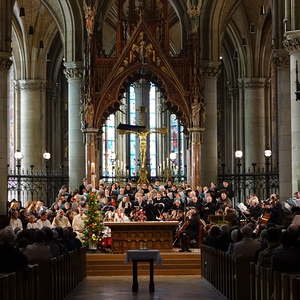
x=142 y=235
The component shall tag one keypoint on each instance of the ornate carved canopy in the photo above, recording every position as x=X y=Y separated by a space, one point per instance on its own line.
x=142 y=51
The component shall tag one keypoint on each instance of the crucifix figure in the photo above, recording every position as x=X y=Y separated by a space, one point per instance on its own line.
x=142 y=132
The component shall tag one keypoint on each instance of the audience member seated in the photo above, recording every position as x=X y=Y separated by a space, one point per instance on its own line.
x=43 y=221
x=272 y=237
x=15 y=222
x=247 y=248
x=61 y=220
x=70 y=241
x=38 y=251
x=32 y=224
x=51 y=242
x=11 y=259
x=218 y=238
x=286 y=259
x=120 y=216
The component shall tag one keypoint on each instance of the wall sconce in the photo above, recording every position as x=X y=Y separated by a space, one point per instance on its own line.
x=297 y=92
x=238 y=154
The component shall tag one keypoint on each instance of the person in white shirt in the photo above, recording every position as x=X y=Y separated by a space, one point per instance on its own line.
x=78 y=223
x=120 y=216
x=43 y=221
x=32 y=222
x=15 y=222
x=61 y=220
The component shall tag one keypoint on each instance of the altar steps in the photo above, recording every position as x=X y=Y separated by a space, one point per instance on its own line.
x=114 y=265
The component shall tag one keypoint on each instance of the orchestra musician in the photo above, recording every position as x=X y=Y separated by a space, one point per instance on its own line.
x=275 y=209
x=188 y=231
x=208 y=208
x=254 y=210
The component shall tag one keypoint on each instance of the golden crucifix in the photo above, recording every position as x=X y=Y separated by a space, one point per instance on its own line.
x=142 y=132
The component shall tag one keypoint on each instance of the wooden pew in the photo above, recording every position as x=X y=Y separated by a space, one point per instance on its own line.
x=7 y=286
x=52 y=280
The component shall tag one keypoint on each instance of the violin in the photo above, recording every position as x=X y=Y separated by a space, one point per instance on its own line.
x=264 y=219
x=182 y=228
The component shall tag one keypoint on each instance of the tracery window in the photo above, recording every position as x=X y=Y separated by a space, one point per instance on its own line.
x=158 y=155
x=109 y=147
x=177 y=146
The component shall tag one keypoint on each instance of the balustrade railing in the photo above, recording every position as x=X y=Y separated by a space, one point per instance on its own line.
x=34 y=184
x=261 y=182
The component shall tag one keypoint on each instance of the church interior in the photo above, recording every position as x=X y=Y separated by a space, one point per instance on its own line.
x=151 y=142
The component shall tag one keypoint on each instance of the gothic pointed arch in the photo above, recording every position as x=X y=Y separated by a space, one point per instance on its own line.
x=142 y=57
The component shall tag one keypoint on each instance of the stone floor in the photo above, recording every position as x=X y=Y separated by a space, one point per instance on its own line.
x=166 y=287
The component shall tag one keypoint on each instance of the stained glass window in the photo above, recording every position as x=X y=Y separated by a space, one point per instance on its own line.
x=157 y=154
x=109 y=147
x=153 y=124
x=177 y=145
x=132 y=137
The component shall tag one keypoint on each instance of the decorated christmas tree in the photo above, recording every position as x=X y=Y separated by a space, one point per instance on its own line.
x=93 y=224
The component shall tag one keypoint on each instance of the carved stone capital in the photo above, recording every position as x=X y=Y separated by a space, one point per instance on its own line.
x=15 y=84
x=5 y=61
x=292 y=41
x=196 y=135
x=194 y=8
x=91 y=135
x=31 y=84
x=210 y=69
x=91 y=131
x=73 y=70
x=281 y=58
x=196 y=130
x=254 y=83
x=233 y=89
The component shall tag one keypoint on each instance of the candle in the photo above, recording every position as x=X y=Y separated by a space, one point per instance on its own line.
x=92 y=167
x=93 y=175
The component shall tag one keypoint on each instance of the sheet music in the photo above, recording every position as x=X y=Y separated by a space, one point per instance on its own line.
x=242 y=207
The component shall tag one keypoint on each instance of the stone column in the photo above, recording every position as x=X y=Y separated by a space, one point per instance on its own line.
x=6 y=11
x=292 y=45
x=76 y=148
x=142 y=93
x=5 y=64
x=195 y=159
x=32 y=123
x=209 y=157
x=254 y=89
x=282 y=63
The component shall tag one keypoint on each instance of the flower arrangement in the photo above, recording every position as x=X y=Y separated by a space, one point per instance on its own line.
x=93 y=224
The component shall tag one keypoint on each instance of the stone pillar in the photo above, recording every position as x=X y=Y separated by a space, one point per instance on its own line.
x=209 y=157
x=76 y=148
x=6 y=11
x=142 y=94
x=282 y=63
x=5 y=64
x=32 y=123
x=195 y=159
x=254 y=89
x=91 y=156
x=292 y=45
